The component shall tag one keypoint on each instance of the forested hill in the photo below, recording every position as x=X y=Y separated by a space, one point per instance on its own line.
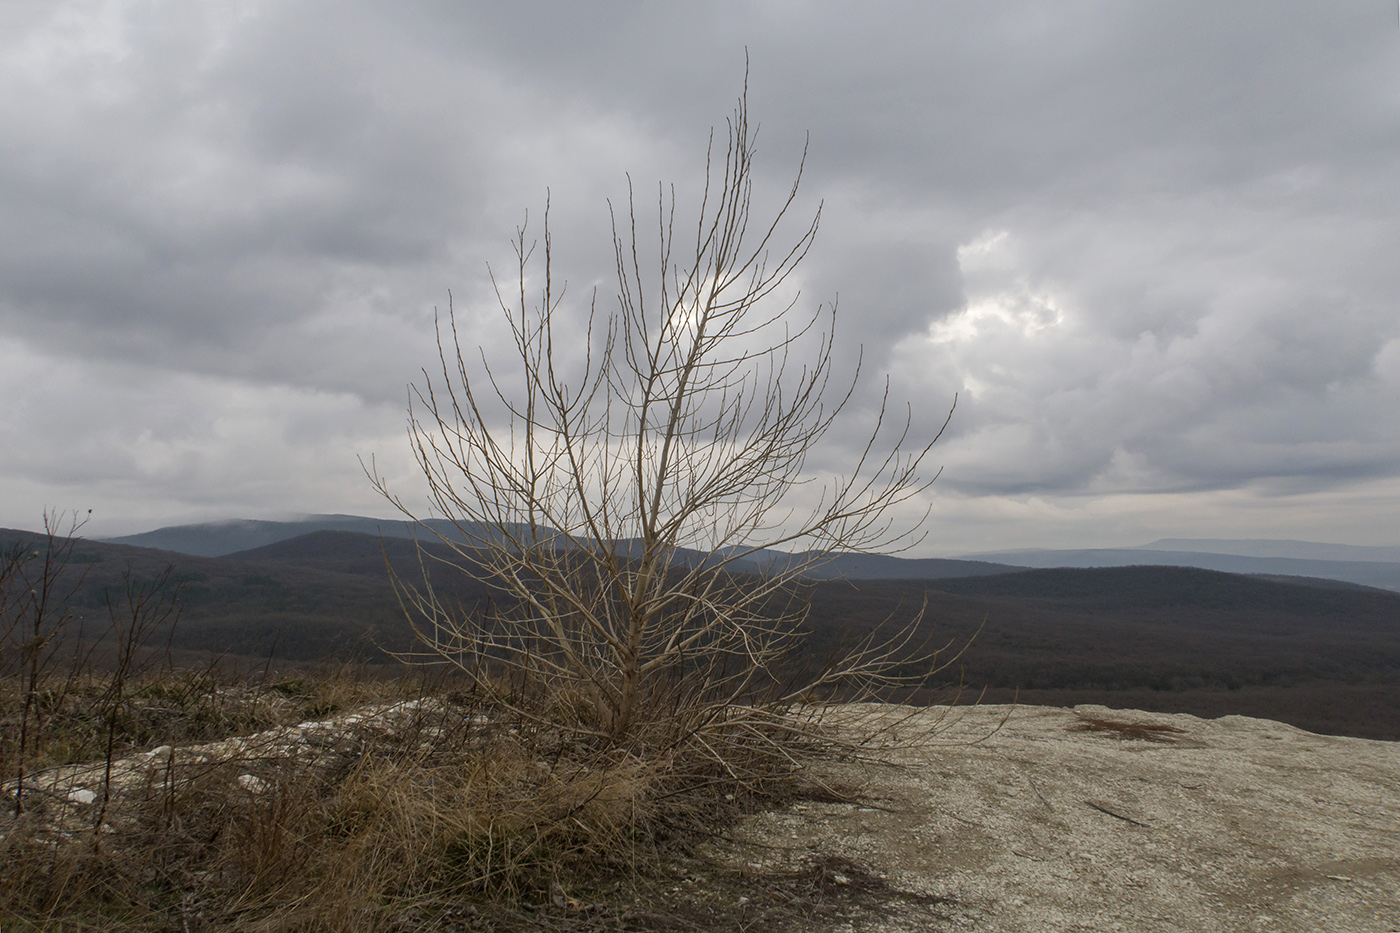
x=1368 y=566
x=1318 y=654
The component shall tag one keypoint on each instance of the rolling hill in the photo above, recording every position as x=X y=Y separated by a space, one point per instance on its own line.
x=1378 y=573
x=1316 y=654
x=218 y=539
x=1365 y=566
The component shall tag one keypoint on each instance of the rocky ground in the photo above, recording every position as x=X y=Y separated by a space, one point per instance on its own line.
x=1010 y=820
x=1098 y=819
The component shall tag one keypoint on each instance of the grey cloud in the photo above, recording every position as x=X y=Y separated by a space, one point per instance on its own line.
x=1193 y=292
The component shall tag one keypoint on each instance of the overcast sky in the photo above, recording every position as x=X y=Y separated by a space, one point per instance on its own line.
x=1153 y=246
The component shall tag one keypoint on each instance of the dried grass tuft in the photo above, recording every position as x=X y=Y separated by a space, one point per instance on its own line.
x=344 y=824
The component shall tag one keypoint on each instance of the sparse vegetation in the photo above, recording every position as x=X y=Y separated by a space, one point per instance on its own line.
x=609 y=698
x=234 y=803
x=613 y=501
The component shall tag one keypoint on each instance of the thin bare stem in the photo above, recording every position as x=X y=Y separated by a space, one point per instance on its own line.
x=632 y=512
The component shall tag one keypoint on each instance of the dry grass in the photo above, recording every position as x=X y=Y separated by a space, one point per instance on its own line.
x=388 y=819
x=1160 y=733
x=138 y=797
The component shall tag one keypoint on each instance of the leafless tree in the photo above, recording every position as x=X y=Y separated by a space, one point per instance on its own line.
x=637 y=517
x=143 y=610
x=35 y=621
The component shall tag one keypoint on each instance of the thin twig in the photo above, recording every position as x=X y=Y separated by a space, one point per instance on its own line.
x=1125 y=819
x=1039 y=794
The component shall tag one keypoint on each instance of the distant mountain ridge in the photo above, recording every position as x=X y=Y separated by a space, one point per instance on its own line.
x=243 y=537
x=219 y=539
x=1356 y=564
x=324 y=545
x=1377 y=573
x=1277 y=547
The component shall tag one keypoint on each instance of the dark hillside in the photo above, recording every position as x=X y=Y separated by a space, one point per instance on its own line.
x=1149 y=586
x=220 y=539
x=1158 y=638
x=1168 y=638
x=881 y=567
x=1366 y=572
x=341 y=552
x=217 y=539
x=244 y=607
x=356 y=552
x=1367 y=566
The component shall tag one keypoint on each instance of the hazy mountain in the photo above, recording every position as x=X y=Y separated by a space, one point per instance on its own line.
x=846 y=566
x=1268 y=547
x=1383 y=574
x=221 y=539
x=1367 y=566
x=218 y=539
x=882 y=567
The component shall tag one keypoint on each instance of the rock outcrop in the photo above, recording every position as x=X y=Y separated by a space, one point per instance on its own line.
x=1002 y=820
x=1099 y=819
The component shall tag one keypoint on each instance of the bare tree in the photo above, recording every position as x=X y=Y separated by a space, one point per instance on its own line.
x=636 y=519
x=35 y=622
x=142 y=611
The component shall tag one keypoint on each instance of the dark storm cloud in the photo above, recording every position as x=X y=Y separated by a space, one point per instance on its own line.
x=1151 y=246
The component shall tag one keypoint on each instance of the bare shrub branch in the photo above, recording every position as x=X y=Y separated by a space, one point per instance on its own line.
x=634 y=515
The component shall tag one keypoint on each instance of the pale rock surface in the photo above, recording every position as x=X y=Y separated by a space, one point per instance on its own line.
x=1030 y=819
x=1105 y=820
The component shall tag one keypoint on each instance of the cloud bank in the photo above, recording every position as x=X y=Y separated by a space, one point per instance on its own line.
x=1150 y=247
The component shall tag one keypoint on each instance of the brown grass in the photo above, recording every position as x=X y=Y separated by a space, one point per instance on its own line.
x=134 y=796
x=1142 y=731
x=410 y=810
